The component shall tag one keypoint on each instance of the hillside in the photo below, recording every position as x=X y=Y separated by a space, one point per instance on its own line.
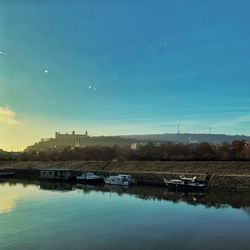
x=82 y=140
x=188 y=137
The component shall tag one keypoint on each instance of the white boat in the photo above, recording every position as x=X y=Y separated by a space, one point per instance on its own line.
x=186 y=183
x=121 y=179
x=89 y=178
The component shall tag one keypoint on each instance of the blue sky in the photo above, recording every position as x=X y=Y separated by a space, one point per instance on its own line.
x=123 y=67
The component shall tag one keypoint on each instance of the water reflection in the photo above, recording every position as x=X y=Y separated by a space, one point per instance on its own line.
x=247 y=210
x=9 y=196
x=7 y=201
x=116 y=189
x=218 y=199
x=44 y=216
x=222 y=199
x=56 y=186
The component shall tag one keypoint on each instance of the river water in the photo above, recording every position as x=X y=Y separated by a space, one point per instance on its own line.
x=60 y=216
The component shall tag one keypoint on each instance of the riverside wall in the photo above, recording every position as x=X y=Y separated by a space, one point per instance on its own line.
x=222 y=175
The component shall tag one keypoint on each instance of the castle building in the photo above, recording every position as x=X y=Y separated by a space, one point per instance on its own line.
x=73 y=140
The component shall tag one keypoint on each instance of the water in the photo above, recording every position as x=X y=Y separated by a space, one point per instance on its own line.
x=59 y=216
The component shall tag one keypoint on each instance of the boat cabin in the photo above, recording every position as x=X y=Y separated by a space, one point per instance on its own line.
x=126 y=176
x=61 y=174
x=184 y=180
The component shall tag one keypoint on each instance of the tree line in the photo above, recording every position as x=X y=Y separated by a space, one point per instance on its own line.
x=235 y=151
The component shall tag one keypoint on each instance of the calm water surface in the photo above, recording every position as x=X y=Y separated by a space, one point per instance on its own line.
x=59 y=216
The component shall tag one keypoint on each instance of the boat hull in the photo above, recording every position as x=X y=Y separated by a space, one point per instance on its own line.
x=91 y=181
x=119 y=180
x=116 y=183
x=185 y=187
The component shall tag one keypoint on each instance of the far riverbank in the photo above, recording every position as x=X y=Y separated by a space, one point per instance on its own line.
x=223 y=174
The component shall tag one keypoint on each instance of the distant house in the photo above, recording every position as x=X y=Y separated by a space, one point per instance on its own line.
x=137 y=145
x=58 y=174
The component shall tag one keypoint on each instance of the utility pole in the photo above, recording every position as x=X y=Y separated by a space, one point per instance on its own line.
x=210 y=130
x=11 y=155
x=178 y=128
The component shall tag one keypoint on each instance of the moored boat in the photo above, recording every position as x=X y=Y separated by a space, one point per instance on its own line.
x=185 y=183
x=89 y=178
x=58 y=174
x=121 y=179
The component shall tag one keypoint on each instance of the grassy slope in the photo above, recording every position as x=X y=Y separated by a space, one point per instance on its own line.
x=199 y=167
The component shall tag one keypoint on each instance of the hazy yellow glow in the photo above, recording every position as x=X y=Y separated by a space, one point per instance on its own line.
x=17 y=136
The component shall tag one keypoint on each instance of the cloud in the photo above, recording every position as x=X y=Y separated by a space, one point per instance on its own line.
x=4 y=53
x=8 y=116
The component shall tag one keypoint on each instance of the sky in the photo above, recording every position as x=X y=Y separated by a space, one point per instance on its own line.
x=122 y=67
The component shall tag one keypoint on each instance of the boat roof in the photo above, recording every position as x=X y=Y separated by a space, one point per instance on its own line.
x=188 y=178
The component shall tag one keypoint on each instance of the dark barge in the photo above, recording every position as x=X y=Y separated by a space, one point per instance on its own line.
x=58 y=174
x=5 y=173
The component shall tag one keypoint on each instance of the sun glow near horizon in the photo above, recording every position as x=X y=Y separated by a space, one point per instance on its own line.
x=18 y=135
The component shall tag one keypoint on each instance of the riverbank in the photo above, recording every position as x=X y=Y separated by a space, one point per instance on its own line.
x=223 y=175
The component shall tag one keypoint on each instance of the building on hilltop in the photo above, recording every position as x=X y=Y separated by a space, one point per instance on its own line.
x=78 y=140
x=67 y=135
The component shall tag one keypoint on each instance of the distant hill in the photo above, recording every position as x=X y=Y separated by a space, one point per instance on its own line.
x=188 y=138
x=82 y=140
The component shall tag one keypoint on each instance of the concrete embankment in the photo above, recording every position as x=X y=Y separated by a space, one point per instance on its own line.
x=223 y=175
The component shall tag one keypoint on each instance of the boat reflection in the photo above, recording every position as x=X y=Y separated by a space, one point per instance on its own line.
x=215 y=199
x=56 y=186
x=116 y=189
x=218 y=199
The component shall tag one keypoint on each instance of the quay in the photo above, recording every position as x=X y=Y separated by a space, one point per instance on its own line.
x=222 y=175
